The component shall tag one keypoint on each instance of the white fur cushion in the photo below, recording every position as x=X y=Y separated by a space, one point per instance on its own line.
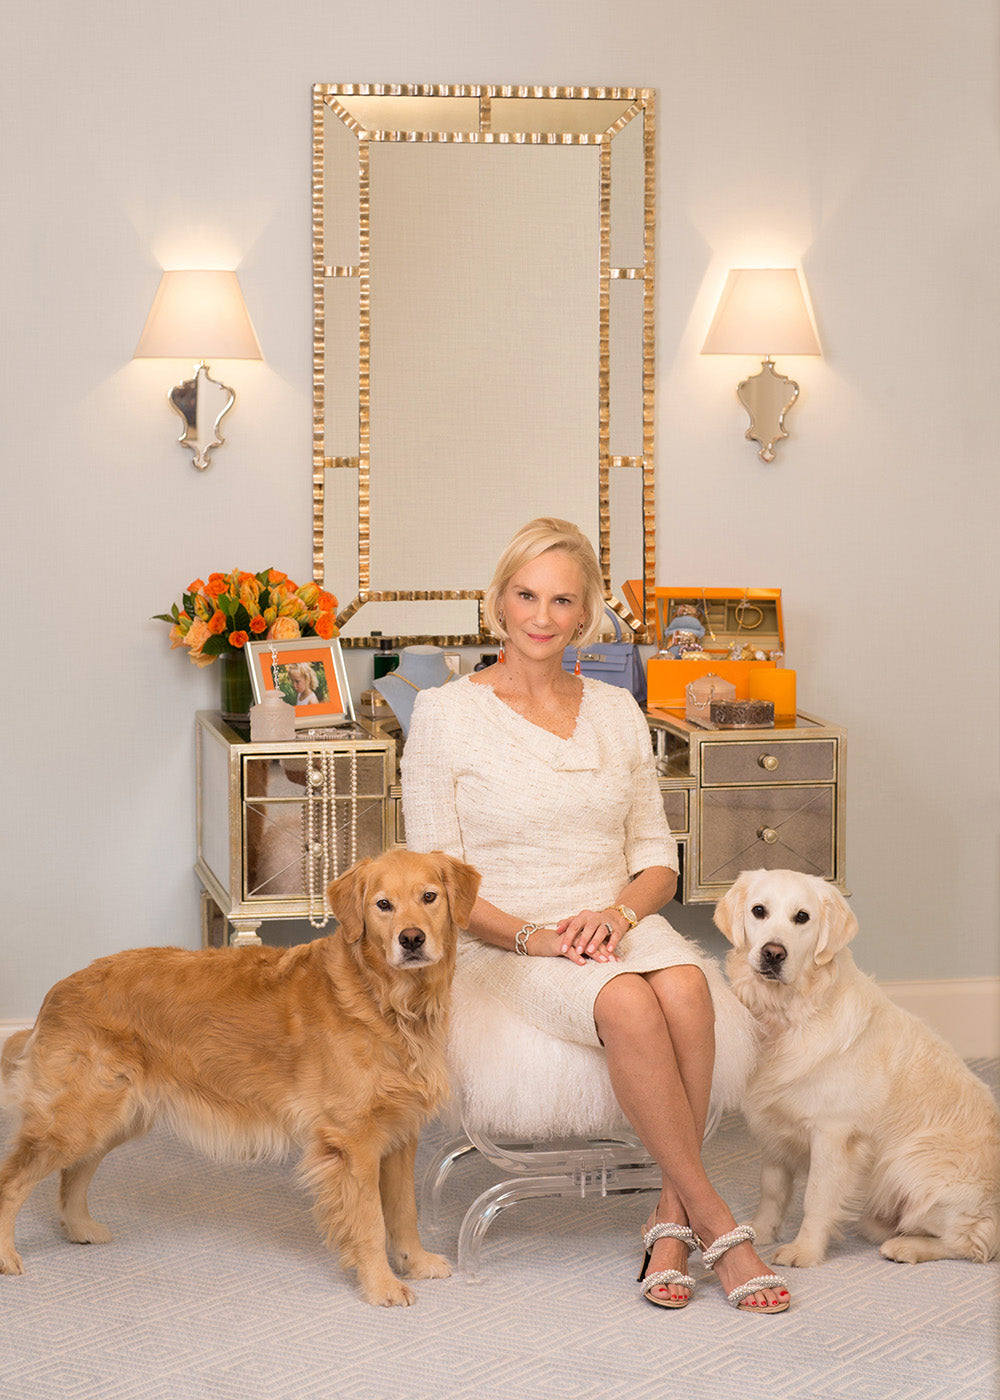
x=513 y=1081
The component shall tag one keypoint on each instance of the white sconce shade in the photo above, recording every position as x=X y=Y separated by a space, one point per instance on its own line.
x=199 y=316
x=762 y=311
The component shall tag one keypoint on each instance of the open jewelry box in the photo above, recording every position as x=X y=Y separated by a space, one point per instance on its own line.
x=731 y=617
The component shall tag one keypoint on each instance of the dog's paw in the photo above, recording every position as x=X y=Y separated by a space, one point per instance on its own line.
x=919 y=1249
x=766 y=1228
x=87 y=1232
x=800 y=1254
x=424 y=1265
x=11 y=1263
x=387 y=1291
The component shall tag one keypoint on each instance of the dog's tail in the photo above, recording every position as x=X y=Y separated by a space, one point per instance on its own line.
x=10 y=1062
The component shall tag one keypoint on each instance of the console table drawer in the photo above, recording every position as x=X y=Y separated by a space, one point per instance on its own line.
x=769 y=761
x=779 y=828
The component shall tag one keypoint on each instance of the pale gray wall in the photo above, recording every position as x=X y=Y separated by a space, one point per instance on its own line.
x=860 y=139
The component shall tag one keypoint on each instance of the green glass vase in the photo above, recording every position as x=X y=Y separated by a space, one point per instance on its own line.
x=235 y=691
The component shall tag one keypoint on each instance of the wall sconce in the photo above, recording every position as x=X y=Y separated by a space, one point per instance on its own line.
x=763 y=311
x=199 y=316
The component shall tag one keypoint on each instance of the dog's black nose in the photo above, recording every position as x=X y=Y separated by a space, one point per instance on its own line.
x=411 y=939
x=773 y=954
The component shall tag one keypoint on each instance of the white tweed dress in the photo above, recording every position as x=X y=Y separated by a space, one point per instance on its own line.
x=552 y=825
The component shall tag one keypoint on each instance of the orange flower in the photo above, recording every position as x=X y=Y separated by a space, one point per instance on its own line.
x=285 y=629
x=216 y=585
x=197 y=635
x=238 y=639
x=178 y=635
x=217 y=624
x=275 y=576
x=324 y=625
x=326 y=602
x=197 y=586
x=258 y=625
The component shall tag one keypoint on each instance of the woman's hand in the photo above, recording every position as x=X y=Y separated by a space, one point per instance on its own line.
x=593 y=933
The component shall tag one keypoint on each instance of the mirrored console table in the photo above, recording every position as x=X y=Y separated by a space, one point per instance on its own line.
x=277 y=822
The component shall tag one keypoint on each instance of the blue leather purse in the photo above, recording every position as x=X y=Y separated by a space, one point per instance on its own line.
x=616 y=663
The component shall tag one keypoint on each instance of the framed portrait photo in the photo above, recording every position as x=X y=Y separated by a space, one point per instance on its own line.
x=309 y=672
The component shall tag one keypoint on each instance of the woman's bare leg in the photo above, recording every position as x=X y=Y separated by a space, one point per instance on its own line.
x=658 y=1034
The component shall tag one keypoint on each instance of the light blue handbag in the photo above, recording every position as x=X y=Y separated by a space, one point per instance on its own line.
x=616 y=663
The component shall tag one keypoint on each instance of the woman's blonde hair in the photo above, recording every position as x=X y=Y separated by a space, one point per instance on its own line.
x=533 y=539
x=302 y=670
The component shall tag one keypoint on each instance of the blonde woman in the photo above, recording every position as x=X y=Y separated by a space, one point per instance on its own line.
x=545 y=781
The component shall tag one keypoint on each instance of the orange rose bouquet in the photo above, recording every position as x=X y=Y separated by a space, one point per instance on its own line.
x=223 y=614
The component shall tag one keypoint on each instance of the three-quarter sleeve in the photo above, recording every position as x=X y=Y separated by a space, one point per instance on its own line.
x=648 y=839
x=429 y=802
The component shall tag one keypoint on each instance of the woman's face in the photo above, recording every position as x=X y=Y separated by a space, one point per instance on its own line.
x=543 y=606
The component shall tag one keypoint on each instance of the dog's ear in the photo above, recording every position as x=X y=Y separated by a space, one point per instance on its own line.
x=839 y=924
x=346 y=897
x=461 y=883
x=728 y=917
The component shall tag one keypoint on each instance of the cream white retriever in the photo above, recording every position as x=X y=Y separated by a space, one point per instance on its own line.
x=895 y=1130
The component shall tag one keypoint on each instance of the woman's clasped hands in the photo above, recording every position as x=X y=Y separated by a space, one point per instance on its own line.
x=592 y=934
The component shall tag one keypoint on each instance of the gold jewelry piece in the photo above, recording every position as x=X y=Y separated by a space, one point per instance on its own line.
x=627 y=914
x=521 y=938
x=741 y=613
x=396 y=676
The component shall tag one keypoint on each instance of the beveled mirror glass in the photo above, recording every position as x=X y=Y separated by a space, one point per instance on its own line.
x=483 y=342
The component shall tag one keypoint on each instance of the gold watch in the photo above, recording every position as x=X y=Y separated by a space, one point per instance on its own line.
x=627 y=914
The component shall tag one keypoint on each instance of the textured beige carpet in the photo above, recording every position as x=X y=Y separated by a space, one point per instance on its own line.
x=217 y=1288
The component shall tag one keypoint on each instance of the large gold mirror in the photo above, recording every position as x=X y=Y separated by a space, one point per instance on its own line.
x=483 y=342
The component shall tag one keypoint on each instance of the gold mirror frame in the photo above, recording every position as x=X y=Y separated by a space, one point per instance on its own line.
x=486 y=116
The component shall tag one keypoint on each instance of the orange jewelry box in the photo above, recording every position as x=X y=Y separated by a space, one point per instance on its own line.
x=747 y=617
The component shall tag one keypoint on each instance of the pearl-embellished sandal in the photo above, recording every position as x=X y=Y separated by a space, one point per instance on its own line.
x=666 y=1276
x=711 y=1254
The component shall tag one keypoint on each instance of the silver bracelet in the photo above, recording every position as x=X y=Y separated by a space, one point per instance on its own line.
x=521 y=939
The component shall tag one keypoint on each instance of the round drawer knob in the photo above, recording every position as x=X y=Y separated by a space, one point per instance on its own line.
x=767 y=834
x=768 y=761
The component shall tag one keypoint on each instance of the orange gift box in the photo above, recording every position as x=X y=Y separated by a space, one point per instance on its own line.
x=751 y=616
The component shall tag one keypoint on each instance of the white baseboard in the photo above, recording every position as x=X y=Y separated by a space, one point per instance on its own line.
x=966 y=1011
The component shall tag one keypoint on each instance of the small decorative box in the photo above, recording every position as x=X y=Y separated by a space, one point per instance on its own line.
x=742 y=714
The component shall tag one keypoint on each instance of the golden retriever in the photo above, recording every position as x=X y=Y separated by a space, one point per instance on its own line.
x=336 y=1046
x=894 y=1128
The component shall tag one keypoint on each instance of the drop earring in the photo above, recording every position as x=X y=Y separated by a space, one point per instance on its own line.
x=579 y=635
x=500 y=658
